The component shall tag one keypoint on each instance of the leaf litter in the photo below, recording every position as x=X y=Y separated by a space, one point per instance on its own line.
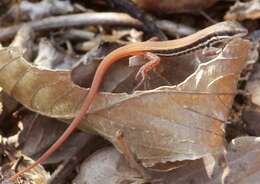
x=182 y=122
x=187 y=101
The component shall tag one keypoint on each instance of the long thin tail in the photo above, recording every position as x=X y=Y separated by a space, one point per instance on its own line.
x=84 y=109
x=101 y=71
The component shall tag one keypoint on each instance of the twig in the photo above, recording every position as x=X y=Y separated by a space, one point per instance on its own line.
x=149 y=25
x=120 y=19
x=174 y=29
x=130 y=156
x=73 y=20
x=204 y=14
x=74 y=34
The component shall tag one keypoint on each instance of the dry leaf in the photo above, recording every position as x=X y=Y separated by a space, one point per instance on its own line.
x=251 y=113
x=49 y=58
x=45 y=8
x=119 y=74
x=244 y=10
x=167 y=6
x=170 y=123
x=192 y=172
x=13 y=161
x=251 y=116
x=35 y=138
x=36 y=176
x=243 y=162
x=107 y=166
x=253 y=85
x=179 y=122
x=24 y=40
x=241 y=166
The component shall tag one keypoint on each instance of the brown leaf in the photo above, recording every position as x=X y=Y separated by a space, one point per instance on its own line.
x=243 y=162
x=49 y=58
x=13 y=161
x=192 y=172
x=244 y=10
x=241 y=166
x=24 y=40
x=45 y=8
x=119 y=74
x=170 y=123
x=107 y=166
x=37 y=175
x=167 y=6
x=36 y=138
x=179 y=122
x=251 y=113
x=253 y=85
x=251 y=118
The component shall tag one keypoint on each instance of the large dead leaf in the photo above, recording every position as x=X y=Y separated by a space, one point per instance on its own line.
x=170 y=123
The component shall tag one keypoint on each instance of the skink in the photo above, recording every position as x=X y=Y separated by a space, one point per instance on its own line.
x=204 y=38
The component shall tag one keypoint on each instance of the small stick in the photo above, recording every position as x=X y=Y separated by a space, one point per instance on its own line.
x=149 y=24
x=86 y=19
x=73 y=20
x=130 y=156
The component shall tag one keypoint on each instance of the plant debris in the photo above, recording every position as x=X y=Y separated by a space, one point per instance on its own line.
x=194 y=119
